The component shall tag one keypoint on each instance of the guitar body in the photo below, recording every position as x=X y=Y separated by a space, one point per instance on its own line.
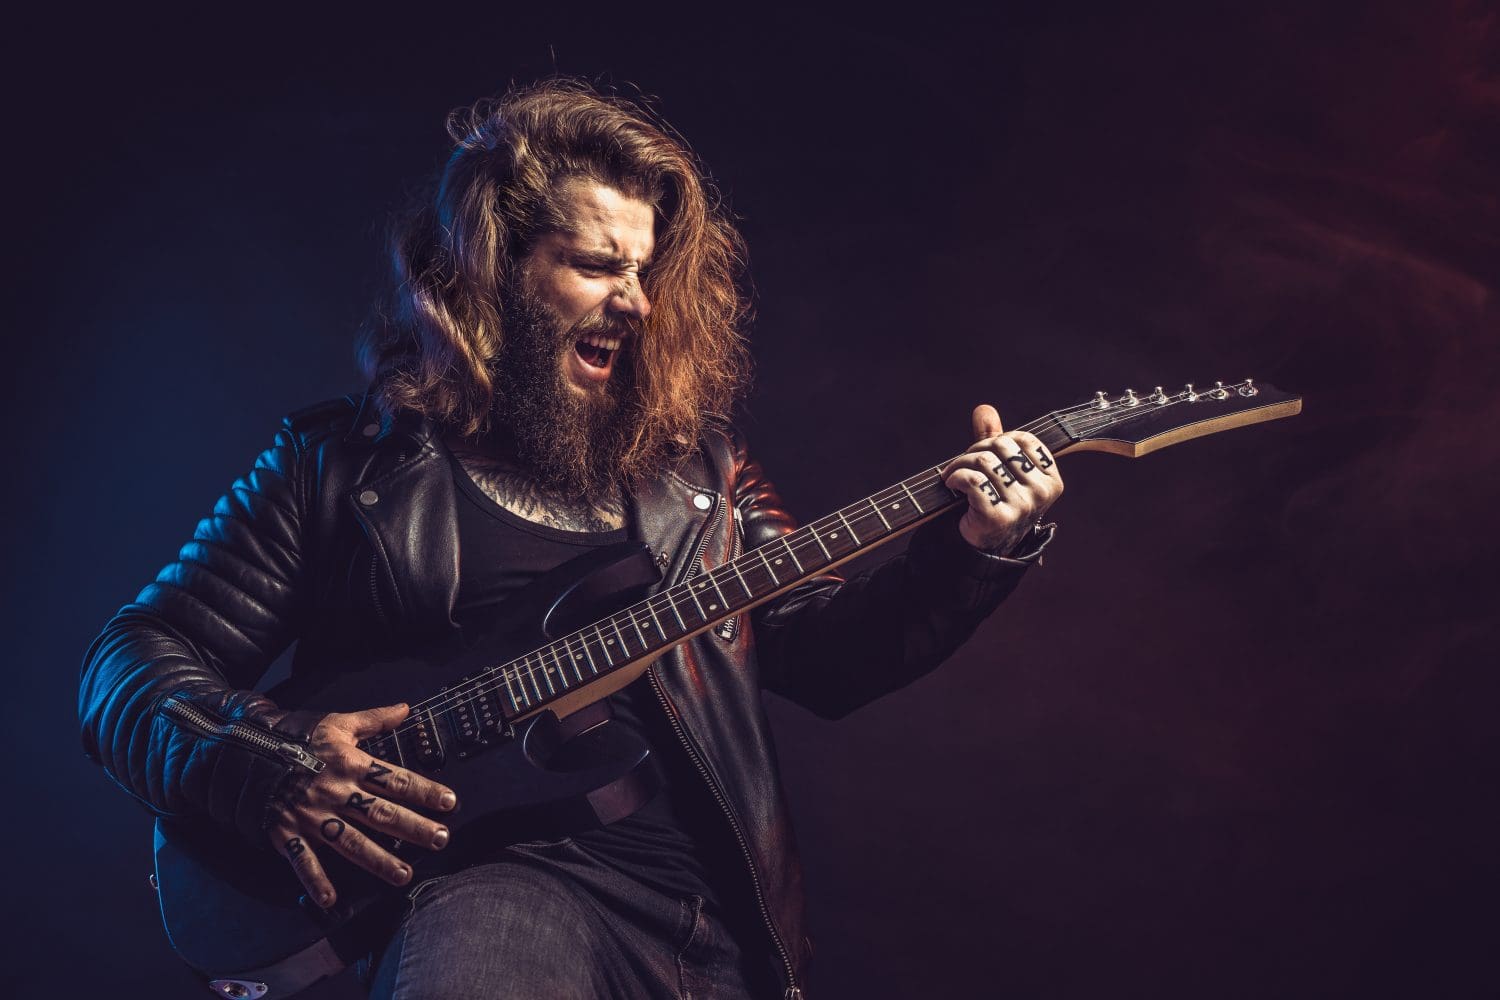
x=239 y=916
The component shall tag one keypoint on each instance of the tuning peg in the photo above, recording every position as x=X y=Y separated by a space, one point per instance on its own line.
x=1130 y=399
x=1158 y=397
x=1192 y=397
x=1101 y=402
x=1219 y=392
x=1248 y=389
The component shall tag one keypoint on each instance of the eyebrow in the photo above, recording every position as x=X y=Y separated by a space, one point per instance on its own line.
x=607 y=257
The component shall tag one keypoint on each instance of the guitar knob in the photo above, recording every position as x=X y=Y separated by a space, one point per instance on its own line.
x=1100 y=401
x=1192 y=397
x=1130 y=399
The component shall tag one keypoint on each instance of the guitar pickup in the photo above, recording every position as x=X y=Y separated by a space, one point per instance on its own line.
x=475 y=720
x=420 y=742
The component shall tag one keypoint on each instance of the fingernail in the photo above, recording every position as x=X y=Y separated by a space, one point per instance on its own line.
x=448 y=800
x=402 y=873
x=440 y=839
x=324 y=899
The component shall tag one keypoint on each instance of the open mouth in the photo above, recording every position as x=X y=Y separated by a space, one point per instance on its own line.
x=596 y=350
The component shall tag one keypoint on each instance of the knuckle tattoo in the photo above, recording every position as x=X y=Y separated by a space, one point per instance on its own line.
x=359 y=803
x=332 y=829
x=377 y=774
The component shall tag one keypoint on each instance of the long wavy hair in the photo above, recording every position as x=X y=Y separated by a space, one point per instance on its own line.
x=453 y=259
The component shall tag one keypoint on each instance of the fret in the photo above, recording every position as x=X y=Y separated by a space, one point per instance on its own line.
x=639 y=634
x=734 y=565
x=673 y=605
x=531 y=672
x=786 y=544
x=775 y=580
x=661 y=632
x=912 y=497
x=812 y=531
x=876 y=508
x=562 y=672
x=850 y=528
x=624 y=646
x=547 y=669
x=709 y=578
x=603 y=647
x=702 y=615
x=511 y=691
x=584 y=642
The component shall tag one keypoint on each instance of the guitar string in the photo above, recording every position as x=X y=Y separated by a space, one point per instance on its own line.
x=550 y=657
x=512 y=671
x=514 y=674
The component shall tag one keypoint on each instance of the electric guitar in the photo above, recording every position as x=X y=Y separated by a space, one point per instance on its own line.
x=519 y=728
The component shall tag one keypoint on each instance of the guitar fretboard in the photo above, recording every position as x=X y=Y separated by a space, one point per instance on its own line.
x=485 y=702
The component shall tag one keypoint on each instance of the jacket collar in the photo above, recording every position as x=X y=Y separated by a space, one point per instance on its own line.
x=374 y=425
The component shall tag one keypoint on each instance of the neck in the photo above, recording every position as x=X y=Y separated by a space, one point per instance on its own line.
x=492 y=464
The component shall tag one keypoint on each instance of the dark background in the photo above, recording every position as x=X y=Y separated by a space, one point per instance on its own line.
x=1235 y=739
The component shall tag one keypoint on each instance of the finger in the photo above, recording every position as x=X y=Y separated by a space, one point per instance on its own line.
x=1035 y=489
x=999 y=475
x=982 y=493
x=1033 y=448
x=343 y=837
x=986 y=421
x=1042 y=480
x=305 y=864
x=399 y=783
x=374 y=721
x=387 y=817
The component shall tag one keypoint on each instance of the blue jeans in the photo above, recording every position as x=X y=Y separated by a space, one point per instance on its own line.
x=554 y=921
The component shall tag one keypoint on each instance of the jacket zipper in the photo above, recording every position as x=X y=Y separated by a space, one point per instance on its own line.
x=793 y=991
x=730 y=627
x=240 y=732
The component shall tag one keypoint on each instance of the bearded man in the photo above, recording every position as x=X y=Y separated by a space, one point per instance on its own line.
x=555 y=373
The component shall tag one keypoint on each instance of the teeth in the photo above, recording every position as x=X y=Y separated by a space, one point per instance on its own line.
x=608 y=343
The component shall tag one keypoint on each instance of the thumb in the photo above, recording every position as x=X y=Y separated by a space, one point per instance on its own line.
x=987 y=421
x=374 y=721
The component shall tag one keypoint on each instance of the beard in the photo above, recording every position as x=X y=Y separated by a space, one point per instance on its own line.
x=572 y=442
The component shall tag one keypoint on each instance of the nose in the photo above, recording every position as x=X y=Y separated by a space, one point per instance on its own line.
x=630 y=300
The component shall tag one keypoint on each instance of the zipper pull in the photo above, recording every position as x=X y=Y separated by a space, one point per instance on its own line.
x=297 y=755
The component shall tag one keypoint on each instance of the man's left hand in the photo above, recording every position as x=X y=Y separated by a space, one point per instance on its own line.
x=1009 y=480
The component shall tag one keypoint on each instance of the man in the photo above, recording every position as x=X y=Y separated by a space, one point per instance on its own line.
x=555 y=373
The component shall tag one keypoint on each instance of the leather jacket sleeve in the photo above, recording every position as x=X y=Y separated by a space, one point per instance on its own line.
x=164 y=700
x=833 y=645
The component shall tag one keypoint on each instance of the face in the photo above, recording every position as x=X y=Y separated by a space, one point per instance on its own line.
x=589 y=278
x=565 y=378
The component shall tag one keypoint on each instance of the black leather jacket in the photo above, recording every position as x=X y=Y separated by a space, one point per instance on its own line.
x=344 y=536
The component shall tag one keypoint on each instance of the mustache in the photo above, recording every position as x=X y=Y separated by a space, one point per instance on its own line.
x=598 y=324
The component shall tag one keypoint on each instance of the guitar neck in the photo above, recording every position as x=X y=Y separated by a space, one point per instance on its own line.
x=559 y=671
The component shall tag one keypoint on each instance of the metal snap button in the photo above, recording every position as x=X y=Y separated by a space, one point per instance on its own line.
x=369 y=498
x=370 y=430
x=702 y=502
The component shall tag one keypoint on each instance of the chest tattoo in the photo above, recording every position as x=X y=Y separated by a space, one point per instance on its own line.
x=512 y=489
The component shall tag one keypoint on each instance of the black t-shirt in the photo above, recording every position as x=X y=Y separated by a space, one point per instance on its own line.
x=678 y=838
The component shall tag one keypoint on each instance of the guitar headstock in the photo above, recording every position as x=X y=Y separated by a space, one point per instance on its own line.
x=1133 y=426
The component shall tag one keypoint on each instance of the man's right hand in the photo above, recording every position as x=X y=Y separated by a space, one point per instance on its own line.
x=354 y=787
